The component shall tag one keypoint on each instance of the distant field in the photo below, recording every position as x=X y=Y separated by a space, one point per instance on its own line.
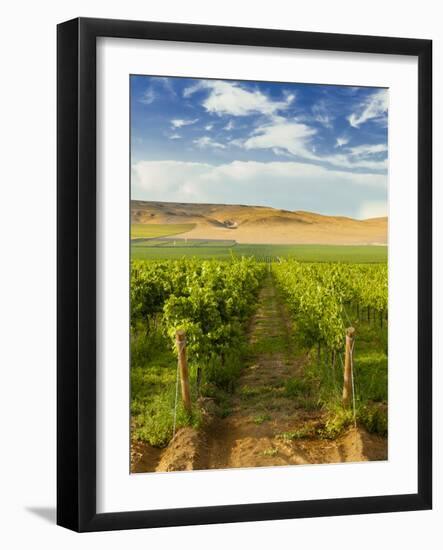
x=306 y=252
x=150 y=231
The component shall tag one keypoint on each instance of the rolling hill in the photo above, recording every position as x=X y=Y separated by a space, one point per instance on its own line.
x=260 y=224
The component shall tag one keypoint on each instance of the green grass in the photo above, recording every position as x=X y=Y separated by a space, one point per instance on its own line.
x=370 y=379
x=272 y=451
x=153 y=376
x=150 y=231
x=302 y=433
x=153 y=382
x=260 y=418
x=303 y=252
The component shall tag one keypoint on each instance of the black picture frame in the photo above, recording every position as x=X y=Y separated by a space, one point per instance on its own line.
x=76 y=268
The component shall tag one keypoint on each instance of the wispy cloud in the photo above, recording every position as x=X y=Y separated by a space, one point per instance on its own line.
x=296 y=139
x=229 y=126
x=341 y=141
x=180 y=122
x=230 y=98
x=166 y=83
x=205 y=141
x=175 y=136
x=148 y=97
x=375 y=107
x=290 y=136
x=368 y=150
x=322 y=114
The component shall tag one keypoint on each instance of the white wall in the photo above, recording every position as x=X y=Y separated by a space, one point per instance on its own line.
x=27 y=273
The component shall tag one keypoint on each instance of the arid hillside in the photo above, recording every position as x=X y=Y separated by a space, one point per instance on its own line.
x=260 y=224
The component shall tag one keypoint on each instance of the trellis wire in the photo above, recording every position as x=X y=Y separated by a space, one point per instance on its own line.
x=352 y=382
x=347 y=317
x=181 y=346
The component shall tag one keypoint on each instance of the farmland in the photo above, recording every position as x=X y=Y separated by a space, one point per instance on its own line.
x=265 y=347
x=162 y=249
x=152 y=231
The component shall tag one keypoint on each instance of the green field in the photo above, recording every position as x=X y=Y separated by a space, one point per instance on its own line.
x=152 y=231
x=154 y=250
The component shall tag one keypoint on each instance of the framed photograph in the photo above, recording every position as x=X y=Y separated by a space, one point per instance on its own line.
x=244 y=274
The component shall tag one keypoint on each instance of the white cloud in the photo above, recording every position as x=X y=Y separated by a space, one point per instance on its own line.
x=199 y=85
x=290 y=136
x=368 y=150
x=175 y=136
x=209 y=127
x=295 y=138
x=148 y=97
x=341 y=141
x=321 y=114
x=229 y=126
x=179 y=122
x=374 y=108
x=289 y=185
x=205 y=141
x=229 y=98
x=165 y=82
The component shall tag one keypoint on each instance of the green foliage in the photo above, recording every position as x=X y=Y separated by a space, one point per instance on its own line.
x=297 y=387
x=153 y=372
x=223 y=372
x=324 y=299
x=374 y=417
x=155 y=421
x=301 y=433
x=317 y=295
x=336 y=423
x=211 y=301
x=260 y=418
x=272 y=451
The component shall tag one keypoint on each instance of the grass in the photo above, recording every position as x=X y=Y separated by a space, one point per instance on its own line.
x=266 y=252
x=270 y=452
x=261 y=418
x=153 y=375
x=297 y=387
x=370 y=379
x=153 y=380
x=151 y=231
x=302 y=433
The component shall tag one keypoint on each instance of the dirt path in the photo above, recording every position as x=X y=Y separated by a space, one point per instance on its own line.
x=265 y=419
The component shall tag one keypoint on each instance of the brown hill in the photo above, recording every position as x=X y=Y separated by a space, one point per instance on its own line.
x=261 y=224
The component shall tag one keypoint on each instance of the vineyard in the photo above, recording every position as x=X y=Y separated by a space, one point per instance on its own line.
x=265 y=346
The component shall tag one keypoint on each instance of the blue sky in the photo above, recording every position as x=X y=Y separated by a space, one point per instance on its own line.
x=293 y=146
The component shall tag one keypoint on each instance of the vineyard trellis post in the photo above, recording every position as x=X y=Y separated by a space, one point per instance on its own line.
x=347 y=374
x=180 y=338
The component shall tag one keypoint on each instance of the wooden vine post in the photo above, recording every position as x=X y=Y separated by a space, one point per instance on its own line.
x=180 y=339
x=347 y=376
